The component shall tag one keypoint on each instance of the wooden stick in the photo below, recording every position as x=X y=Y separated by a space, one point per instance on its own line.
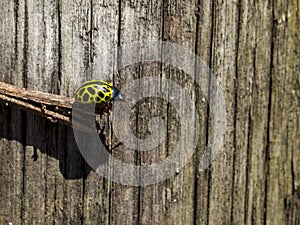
x=54 y=107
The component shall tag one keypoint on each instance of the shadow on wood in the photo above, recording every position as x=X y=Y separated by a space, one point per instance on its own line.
x=40 y=138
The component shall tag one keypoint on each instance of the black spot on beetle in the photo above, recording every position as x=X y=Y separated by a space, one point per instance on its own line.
x=91 y=98
x=91 y=90
x=98 y=99
x=85 y=97
x=81 y=91
x=105 y=89
x=101 y=95
x=107 y=98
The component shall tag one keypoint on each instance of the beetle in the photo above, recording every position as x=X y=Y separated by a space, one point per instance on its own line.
x=97 y=91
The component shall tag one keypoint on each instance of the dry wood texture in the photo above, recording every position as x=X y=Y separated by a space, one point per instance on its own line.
x=54 y=107
x=251 y=46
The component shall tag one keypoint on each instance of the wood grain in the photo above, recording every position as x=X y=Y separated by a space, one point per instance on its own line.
x=52 y=47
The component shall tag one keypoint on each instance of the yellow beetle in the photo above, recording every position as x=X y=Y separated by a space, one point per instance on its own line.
x=97 y=91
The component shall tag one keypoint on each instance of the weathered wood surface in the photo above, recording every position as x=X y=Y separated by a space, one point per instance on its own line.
x=251 y=46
